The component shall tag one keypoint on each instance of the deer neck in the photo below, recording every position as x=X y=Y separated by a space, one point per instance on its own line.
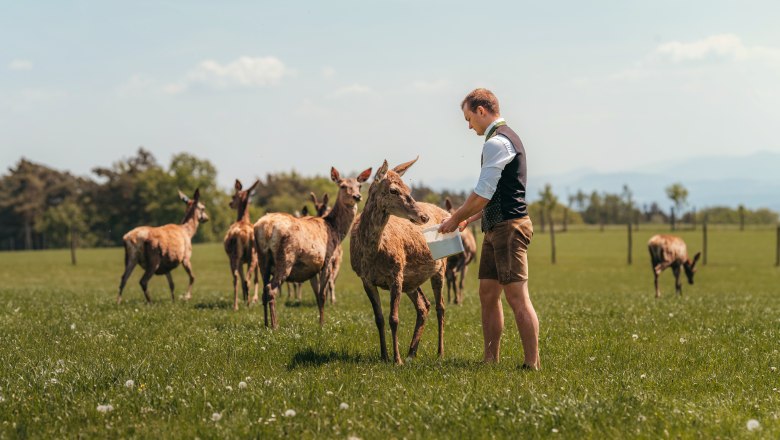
x=190 y=223
x=372 y=222
x=243 y=212
x=340 y=219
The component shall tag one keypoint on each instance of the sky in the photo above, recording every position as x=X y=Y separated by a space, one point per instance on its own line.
x=259 y=87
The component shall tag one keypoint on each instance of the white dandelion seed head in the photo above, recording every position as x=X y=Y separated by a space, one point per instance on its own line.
x=73 y=326
x=130 y=383
x=328 y=393
x=352 y=437
x=216 y=417
x=683 y=340
x=635 y=336
x=643 y=376
x=773 y=369
x=242 y=385
x=592 y=358
x=344 y=405
x=671 y=315
x=2 y=399
x=229 y=388
x=290 y=413
x=105 y=408
x=169 y=389
x=641 y=418
x=54 y=380
x=267 y=382
x=753 y=424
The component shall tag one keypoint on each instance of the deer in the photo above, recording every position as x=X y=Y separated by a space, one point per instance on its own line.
x=669 y=250
x=295 y=289
x=159 y=250
x=239 y=245
x=301 y=249
x=322 y=209
x=459 y=263
x=388 y=251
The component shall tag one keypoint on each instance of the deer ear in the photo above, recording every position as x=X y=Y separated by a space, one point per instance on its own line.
x=238 y=185
x=334 y=175
x=313 y=198
x=695 y=259
x=364 y=175
x=305 y=211
x=183 y=197
x=325 y=199
x=253 y=187
x=196 y=196
x=401 y=169
x=381 y=172
x=448 y=204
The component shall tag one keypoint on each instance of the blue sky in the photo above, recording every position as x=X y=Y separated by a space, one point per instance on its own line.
x=260 y=87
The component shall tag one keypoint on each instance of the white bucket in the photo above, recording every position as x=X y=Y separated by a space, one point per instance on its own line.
x=442 y=245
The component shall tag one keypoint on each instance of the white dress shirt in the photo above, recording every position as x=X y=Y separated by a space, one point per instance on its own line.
x=496 y=153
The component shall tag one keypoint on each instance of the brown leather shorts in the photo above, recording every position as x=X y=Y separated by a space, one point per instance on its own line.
x=505 y=251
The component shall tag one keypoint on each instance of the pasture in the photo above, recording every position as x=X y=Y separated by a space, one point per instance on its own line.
x=616 y=362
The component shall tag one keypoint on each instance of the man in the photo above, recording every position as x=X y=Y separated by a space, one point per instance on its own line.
x=499 y=200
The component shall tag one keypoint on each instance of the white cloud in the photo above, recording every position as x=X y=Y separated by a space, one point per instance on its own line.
x=722 y=46
x=243 y=72
x=352 y=90
x=431 y=86
x=328 y=72
x=20 y=64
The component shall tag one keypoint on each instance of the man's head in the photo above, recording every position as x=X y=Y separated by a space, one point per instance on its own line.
x=480 y=108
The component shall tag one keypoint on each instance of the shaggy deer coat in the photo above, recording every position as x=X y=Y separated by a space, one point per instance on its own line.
x=669 y=250
x=388 y=251
x=161 y=249
x=240 y=245
x=301 y=249
x=459 y=263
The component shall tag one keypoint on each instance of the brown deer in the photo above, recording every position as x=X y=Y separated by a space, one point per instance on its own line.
x=388 y=251
x=669 y=250
x=322 y=209
x=161 y=249
x=300 y=249
x=295 y=289
x=459 y=263
x=240 y=245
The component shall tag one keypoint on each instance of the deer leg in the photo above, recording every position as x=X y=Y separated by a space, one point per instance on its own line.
x=657 y=290
x=395 y=297
x=419 y=301
x=145 y=280
x=234 y=272
x=170 y=285
x=373 y=296
x=436 y=283
x=129 y=266
x=256 y=279
x=463 y=272
x=188 y=267
x=661 y=267
x=677 y=284
x=244 y=284
x=448 y=277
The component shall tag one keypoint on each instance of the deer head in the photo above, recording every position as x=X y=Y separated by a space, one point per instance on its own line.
x=349 y=189
x=321 y=208
x=690 y=267
x=391 y=194
x=241 y=198
x=194 y=207
x=448 y=205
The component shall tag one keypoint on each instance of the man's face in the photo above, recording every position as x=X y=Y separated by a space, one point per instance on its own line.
x=478 y=120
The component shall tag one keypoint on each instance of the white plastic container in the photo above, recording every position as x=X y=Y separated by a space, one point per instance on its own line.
x=442 y=245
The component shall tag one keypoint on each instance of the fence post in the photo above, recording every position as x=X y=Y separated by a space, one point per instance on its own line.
x=552 y=237
x=629 y=242
x=704 y=243
x=777 y=253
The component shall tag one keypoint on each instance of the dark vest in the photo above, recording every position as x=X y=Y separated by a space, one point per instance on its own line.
x=508 y=201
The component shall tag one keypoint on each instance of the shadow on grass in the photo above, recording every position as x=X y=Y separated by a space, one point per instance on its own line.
x=218 y=304
x=312 y=357
x=303 y=304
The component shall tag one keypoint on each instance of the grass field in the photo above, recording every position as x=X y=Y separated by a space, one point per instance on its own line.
x=616 y=362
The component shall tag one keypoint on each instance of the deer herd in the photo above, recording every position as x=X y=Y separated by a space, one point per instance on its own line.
x=387 y=250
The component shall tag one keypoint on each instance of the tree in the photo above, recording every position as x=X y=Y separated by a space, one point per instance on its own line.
x=679 y=196
x=548 y=203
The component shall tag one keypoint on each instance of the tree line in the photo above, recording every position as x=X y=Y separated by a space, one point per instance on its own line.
x=41 y=207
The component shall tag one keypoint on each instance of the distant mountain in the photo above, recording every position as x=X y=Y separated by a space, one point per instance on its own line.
x=752 y=180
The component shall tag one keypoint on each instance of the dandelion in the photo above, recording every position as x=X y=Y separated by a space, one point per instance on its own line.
x=554 y=430
x=242 y=385
x=344 y=405
x=641 y=418
x=130 y=383
x=592 y=358
x=671 y=315
x=352 y=437
x=169 y=389
x=635 y=336
x=216 y=417
x=682 y=340
x=753 y=424
x=2 y=399
x=267 y=382
x=290 y=413
x=643 y=376
x=54 y=380
x=773 y=369
x=105 y=408
x=229 y=388
x=329 y=393
x=73 y=326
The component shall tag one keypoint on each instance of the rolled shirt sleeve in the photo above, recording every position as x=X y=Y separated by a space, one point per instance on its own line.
x=496 y=153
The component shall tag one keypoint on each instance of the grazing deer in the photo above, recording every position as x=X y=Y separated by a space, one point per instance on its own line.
x=459 y=263
x=388 y=251
x=240 y=245
x=668 y=250
x=300 y=249
x=161 y=249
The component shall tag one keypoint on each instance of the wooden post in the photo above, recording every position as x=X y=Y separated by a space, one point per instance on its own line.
x=777 y=253
x=72 y=245
x=552 y=237
x=704 y=243
x=629 y=241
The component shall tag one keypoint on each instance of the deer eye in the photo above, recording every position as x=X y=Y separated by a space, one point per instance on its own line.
x=394 y=191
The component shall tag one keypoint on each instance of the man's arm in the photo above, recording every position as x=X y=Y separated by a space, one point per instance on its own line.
x=470 y=212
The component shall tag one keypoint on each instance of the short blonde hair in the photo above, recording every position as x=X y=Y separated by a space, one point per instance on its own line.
x=481 y=97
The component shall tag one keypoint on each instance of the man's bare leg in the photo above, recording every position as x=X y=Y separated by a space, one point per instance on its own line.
x=527 y=323
x=492 y=318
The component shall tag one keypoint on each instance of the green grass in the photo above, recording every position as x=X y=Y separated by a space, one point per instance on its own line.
x=616 y=362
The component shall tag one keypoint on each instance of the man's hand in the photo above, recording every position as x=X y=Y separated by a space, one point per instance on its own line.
x=450 y=225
